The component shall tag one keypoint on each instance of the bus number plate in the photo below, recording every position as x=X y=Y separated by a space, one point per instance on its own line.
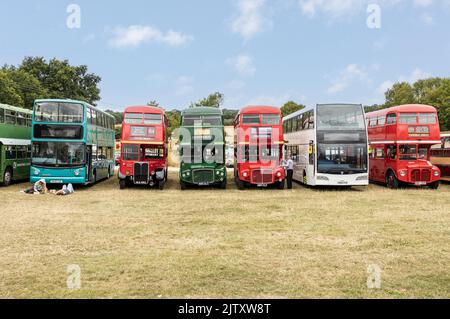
x=421 y=183
x=262 y=185
x=203 y=184
x=56 y=181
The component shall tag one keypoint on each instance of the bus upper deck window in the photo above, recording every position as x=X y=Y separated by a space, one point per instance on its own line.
x=408 y=118
x=10 y=117
x=251 y=119
x=152 y=119
x=212 y=120
x=2 y=115
x=427 y=118
x=270 y=119
x=133 y=118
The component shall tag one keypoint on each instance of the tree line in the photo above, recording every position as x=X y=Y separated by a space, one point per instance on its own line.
x=35 y=78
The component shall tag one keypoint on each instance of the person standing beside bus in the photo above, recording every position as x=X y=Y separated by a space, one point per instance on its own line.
x=289 y=165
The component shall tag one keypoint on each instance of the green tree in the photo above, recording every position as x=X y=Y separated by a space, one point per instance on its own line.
x=174 y=119
x=213 y=100
x=8 y=92
x=291 y=107
x=399 y=94
x=27 y=86
x=118 y=116
x=62 y=80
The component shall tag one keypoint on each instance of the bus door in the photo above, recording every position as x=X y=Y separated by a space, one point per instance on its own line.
x=89 y=163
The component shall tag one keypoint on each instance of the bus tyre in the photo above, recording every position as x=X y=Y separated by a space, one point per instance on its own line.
x=392 y=181
x=239 y=184
x=7 y=177
x=161 y=185
x=435 y=185
x=122 y=183
x=223 y=185
x=281 y=185
x=183 y=186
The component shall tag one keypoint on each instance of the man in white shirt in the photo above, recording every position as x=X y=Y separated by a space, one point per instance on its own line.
x=289 y=165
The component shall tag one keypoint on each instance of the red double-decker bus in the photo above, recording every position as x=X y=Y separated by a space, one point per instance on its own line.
x=144 y=152
x=401 y=138
x=258 y=147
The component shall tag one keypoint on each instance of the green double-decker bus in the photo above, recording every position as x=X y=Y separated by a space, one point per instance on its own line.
x=202 y=148
x=73 y=142
x=15 y=145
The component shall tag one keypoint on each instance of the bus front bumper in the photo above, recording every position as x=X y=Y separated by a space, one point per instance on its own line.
x=342 y=180
x=58 y=176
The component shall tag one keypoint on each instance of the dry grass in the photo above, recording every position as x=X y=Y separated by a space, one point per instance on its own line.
x=303 y=243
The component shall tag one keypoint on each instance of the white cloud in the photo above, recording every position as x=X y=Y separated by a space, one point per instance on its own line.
x=416 y=75
x=136 y=35
x=334 y=7
x=185 y=85
x=423 y=3
x=427 y=19
x=352 y=72
x=278 y=100
x=243 y=64
x=250 y=19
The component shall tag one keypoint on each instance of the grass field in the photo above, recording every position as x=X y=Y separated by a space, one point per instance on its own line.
x=205 y=243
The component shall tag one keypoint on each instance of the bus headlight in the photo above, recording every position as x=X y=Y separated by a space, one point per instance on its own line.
x=36 y=172
x=245 y=174
x=218 y=173
x=436 y=173
x=403 y=173
x=77 y=172
x=279 y=174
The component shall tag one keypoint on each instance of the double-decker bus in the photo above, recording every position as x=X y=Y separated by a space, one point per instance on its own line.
x=15 y=144
x=202 y=148
x=72 y=142
x=259 y=147
x=328 y=144
x=400 y=138
x=144 y=153
x=440 y=156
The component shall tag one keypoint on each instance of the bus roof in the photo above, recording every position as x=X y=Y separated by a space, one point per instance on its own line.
x=202 y=111
x=253 y=109
x=15 y=108
x=407 y=108
x=144 y=109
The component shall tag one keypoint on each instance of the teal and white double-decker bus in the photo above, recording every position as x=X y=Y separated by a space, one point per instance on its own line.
x=72 y=142
x=15 y=144
x=202 y=141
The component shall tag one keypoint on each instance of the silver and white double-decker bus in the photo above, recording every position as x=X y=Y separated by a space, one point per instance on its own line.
x=328 y=144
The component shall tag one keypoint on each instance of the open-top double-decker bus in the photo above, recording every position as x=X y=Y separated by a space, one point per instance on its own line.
x=440 y=156
x=144 y=148
x=401 y=138
x=72 y=142
x=15 y=144
x=202 y=148
x=258 y=147
x=328 y=144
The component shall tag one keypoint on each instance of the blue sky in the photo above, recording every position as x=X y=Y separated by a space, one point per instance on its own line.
x=253 y=51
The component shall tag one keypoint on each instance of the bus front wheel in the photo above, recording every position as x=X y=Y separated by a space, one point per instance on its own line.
x=161 y=184
x=7 y=177
x=123 y=183
x=392 y=181
x=223 y=185
x=183 y=186
x=281 y=185
x=434 y=185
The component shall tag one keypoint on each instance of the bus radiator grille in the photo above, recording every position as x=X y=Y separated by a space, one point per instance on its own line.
x=262 y=177
x=418 y=175
x=141 y=173
x=203 y=176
